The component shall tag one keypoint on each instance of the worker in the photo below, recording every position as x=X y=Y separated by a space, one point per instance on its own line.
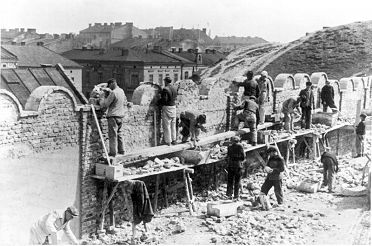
x=327 y=96
x=288 y=109
x=168 y=114
x=274 y=167
x=192 y=122
x=114 y=101
x=235 y=158
x=330 y=167
x=248 y=116
x=307 y=104
x=262 y=87
x=360 y=133
x=250 y=86
x=51 y=223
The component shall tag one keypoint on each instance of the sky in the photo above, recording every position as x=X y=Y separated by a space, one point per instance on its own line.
x=273 y=20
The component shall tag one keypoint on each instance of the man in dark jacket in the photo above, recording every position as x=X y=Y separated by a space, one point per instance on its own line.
x=330 y=167
x=360 y=133
x=307 y=104
x=248 y=116
x=274 y=167
x=327 y=96
x=192 y=122
x=235 y=158
x=168 y=112
x=250 y=86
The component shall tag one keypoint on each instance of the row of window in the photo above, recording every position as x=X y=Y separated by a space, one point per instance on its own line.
x=160 y=77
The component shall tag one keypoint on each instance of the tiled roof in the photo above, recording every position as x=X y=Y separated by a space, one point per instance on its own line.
x=7 y=56
x=33 y=56
x=134 y=55
x=21 y=82
x=98 y=28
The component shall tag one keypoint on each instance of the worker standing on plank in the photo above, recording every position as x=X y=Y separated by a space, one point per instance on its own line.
x=263 y=88
x=192 y=122
x=307 y=104
x=360 y=133
x=115 y=116
x=235 y=158
x=330 y=167
x=288 y=109
x=250 y=86
x=168 y=112
x=51 y=223
x=274 y=168
x=327 y=96
x=248 y=116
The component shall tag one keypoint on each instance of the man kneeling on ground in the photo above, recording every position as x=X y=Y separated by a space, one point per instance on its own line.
x=274 y=168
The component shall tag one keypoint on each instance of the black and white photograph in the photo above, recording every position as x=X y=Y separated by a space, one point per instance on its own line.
x=199 y=122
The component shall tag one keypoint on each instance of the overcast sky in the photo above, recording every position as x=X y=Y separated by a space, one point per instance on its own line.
x=273 y=20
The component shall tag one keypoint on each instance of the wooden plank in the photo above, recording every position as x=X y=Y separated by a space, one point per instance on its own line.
x=104 y=195
x=187 y=194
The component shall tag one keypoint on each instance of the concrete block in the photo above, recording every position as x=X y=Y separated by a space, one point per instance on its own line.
x=223 y=209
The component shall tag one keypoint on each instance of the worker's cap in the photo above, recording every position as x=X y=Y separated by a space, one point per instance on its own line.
x=249 y=74
x=235 y=139
x=73 y=211
x=271 y=149
x=363 y=115
x=167 y=79
x=309 y=83
x=264 y=74
x=252 y=97
x=112 y=80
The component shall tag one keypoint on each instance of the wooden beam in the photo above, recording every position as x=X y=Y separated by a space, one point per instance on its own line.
x=156 y=193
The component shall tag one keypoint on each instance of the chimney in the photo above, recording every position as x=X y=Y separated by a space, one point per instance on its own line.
x=105 y=24
x=117 y=23
x=90 y=24
x=31 y=30
x=17 y=29
x=22 y=30
x=204 y=30
x=130 y=29
x=124 y=52
x=97 y=24
x=23 y=43
x=173 y=49
x=179 y=49
x=14 y=43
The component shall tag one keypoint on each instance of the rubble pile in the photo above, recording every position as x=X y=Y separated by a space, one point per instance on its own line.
x=153 y=166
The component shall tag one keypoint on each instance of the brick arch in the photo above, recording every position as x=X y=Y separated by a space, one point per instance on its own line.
x=300 y=80
x=318 y=79
x=10 y=106
x=42 y=92
x=347 y=84
x=359 y=83
x=284 y=81
x=336 y=88
x=146 y=94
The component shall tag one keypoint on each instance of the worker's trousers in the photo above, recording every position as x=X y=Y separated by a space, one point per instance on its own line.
x=168 y=117
x=234 y=176
x=359 y=144
x=261 y=107
x=188 y=128
x=115 y=133
x=288 y=121
x=328 y=174
x=306 y=117
x=330 y=104
x=277 y=188
x=249 y=119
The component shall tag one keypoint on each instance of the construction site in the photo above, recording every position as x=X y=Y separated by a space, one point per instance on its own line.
x=54 y=146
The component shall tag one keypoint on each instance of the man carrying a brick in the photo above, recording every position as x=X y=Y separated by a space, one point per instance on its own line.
x=327 y=96
x=250 y=86
x=115 y=115
x=235 y=159
x=288 y=109
x=248 y=116
x=307 y=105
x=262 y=87
x=168 y=112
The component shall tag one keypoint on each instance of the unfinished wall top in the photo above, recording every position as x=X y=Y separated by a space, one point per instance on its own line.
x=347 y=84
x=300 y=80
x=318 y=79
x=284 y=81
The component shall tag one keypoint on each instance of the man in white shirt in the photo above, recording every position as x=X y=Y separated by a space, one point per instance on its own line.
x=51 y=223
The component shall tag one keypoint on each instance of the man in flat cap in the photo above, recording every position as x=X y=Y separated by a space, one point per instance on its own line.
x=168 y=112
x=115 y=117
x=307 y=105
x=235 y=159
x=48 y=226
x=263 y=85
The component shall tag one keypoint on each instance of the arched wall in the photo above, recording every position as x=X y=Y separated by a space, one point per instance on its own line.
x=301 y=79
x=318 y=80
x=350 y=97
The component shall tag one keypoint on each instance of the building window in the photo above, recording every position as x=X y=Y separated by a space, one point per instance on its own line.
x=161 y=79
x=175 y=77
x=151 y=78
x=134 y=80
x=4 y=65
x=186 y=74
